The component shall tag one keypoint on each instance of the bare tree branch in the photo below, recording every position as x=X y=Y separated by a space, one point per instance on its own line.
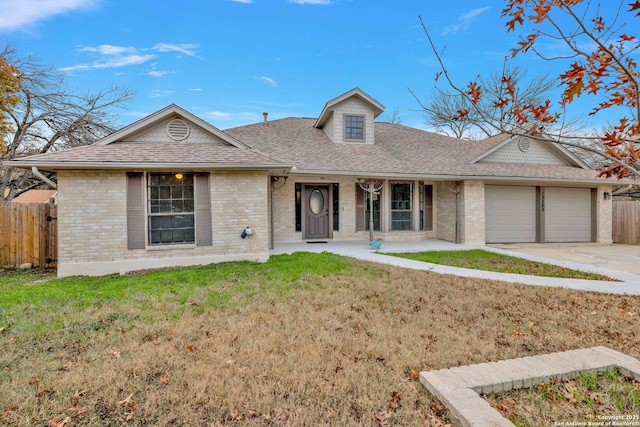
x=49 y=116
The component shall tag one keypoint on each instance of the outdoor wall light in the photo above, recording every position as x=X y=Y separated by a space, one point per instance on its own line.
x=178 y=176
x=246 y=232
x=606 y=195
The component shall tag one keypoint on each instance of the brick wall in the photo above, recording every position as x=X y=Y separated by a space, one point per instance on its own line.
x=92 y=224
x=472 y=225
x=604 y=216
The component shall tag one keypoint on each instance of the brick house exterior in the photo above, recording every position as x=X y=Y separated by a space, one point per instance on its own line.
x=172 y=189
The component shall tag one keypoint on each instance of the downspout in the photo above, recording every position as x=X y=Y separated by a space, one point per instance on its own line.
x=38 y=174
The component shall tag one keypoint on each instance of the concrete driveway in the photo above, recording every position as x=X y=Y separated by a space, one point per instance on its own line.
x=614 y=257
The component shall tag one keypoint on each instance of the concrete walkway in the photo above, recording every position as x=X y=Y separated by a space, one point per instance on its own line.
x=629 y=283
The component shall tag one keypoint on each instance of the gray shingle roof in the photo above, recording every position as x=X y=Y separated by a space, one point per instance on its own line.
x=398 y=150
x=122 y=154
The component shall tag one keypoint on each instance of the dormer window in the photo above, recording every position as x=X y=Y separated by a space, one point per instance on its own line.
x=354 y=128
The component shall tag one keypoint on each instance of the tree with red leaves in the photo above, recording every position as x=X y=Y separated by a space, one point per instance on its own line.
x=602 y=64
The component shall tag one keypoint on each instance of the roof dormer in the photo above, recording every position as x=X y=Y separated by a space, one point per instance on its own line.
x=348 y=119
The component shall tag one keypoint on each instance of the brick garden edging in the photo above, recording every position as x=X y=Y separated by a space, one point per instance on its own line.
x=459 y=388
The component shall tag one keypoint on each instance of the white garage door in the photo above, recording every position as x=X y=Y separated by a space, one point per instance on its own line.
x=567 y=216
x=510 y=214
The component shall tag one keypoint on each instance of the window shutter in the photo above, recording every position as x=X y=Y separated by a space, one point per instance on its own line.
x=204 y=233
x=135 y=211
x=360 y=211
x=428 y=207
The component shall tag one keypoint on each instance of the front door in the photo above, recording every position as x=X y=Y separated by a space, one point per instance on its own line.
x=316 y=212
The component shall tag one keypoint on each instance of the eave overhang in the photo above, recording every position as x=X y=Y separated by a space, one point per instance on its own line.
x=540 y=180
x=184 y=166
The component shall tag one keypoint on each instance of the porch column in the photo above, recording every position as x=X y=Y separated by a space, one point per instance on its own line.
x=471 y=211
x=604 y=215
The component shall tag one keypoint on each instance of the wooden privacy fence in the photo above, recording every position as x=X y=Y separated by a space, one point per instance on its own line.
x=626 y=221
x=28 y=234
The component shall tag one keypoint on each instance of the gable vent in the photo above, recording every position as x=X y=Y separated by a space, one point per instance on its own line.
x=524 y=144
x=178 y=129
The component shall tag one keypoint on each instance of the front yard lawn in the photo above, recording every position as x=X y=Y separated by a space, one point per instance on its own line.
x=303 y=339
x=479 y=259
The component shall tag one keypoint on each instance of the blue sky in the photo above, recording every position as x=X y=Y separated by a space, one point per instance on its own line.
x=227 y=61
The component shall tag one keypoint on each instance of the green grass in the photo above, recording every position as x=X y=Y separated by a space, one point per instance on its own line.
x=160 y=293
x=303 y=339
x=478 y=259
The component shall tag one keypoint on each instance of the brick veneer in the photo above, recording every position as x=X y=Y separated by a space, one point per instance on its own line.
x=604 y=216
x=92 y=224
x=472 y=213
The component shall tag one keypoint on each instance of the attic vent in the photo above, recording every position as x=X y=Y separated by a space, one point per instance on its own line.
x=178 y=129
x=524 y=144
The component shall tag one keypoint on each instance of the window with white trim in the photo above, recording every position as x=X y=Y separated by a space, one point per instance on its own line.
x=170 y=208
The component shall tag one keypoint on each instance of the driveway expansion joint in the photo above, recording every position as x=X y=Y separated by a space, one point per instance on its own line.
x=457 y=388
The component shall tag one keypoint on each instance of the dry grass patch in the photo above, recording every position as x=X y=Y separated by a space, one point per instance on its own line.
x=341 y=344
x=593 y=399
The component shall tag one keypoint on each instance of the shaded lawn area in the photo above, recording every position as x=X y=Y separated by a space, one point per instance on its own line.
x=303 y=339
x=479 y=259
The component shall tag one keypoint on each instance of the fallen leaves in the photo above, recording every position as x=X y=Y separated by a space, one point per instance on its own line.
x=584 y=397
x=396 y=397
x=7 y=413
x=53 y=423
x=382 y=419
x=570 y=390
x=129 y=404
x=127 y=401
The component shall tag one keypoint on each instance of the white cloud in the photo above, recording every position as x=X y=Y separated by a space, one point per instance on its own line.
x=243 y=1
x=16 y=14
x=217 y=115
x=107 y=49
x=196 y=89
x=156 y=73
x=161 y=93
x=111 y=56
x=310 y=1
x=464 y=21
x=123 y=61
x=111 y=62
x=268 y=80
x=187 y=48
